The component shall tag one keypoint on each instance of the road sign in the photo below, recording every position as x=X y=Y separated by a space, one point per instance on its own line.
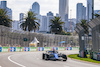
x=25 y=39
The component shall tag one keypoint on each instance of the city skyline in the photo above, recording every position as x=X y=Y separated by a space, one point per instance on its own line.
x=24 y=6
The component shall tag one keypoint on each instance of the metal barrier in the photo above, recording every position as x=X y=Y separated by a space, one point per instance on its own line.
x=95 y=26
x=79 y=29
x=15 y=38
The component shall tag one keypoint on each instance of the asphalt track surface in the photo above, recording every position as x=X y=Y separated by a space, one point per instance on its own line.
x=34 y=59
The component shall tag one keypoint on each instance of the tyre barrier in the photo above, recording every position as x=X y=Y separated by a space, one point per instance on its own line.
x=27 y=49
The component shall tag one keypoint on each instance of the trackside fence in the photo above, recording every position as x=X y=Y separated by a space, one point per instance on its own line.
x=18 y=38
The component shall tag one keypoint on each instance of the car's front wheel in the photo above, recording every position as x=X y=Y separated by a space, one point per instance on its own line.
x=64 y=57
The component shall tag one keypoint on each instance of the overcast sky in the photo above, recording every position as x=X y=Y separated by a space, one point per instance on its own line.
x=22 y=6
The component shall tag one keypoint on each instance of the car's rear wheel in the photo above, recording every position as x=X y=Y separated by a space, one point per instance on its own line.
x=43 y=56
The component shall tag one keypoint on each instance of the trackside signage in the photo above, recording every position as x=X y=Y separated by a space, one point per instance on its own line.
x=5 y=49
x=69 y=48
x=18 y=49
x=99 y=56
x=55 y=48
x=33 y=49
x=27 y=49
x=61 y=48
x=47 y=48
x=75 y=48
x=95 y=55
x=41 y=48
x=12 y=49
x=0 y=49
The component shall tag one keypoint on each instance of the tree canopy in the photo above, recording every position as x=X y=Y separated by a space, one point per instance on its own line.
x=30 y=23
x=56 y=25
x=4 y=18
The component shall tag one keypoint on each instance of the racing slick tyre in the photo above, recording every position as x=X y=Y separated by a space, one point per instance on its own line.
x=43 y=56
x=46 y=57
x=65 y=57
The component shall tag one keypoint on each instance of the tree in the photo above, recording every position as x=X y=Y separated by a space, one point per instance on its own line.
x=56 y=25
x=4 y=18
x=30 y=22
x=97 y=15
x=85 y=26
x=66 y=33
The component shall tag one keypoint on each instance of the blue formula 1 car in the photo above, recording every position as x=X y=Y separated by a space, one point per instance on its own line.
x=54 y=55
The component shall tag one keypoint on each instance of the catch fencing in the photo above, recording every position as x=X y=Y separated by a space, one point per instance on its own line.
x=15 y=38
x=95 y=26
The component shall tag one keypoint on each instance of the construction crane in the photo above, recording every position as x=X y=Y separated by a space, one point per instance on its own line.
x=70 y=19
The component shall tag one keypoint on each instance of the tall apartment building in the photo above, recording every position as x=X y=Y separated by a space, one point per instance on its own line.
x=80 y=13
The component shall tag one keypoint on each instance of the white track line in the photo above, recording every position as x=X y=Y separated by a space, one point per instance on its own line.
x=0 y=66
x=9 y=58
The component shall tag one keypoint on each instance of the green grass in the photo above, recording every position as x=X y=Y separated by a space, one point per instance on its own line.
x=75 y=56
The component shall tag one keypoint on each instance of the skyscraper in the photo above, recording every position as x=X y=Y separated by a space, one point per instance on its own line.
x=63 y=9
x=48 y=22
x=0 y=6
x=43 y=26
x=4 y=4
x=89 y=9
x=9 y=12
x=21 y=17
x=57 y=15
x=84 y=13
x=50 y=14
x=63 y=12
x=80 y=13
x=36 y=8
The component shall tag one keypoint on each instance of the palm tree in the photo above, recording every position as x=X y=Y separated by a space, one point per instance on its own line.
x=97 y=15
x=56 y=25
x=85 y=26
x=30 y=22
x=4 y=18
